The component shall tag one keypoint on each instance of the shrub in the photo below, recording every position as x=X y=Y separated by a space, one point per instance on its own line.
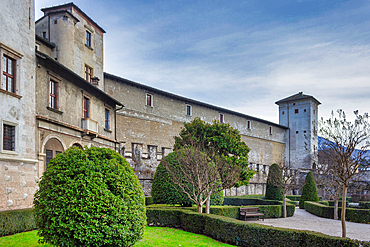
x=90 y=197
x=294 y=197
x=164 y=191
x=309 y=191
x=364 y=205
x=16 y=221
x=273 y=192
x=352 y=214
x=228 y=230
x=242 y=201
x=148 y=200
x=355 y=198
x=365 y=197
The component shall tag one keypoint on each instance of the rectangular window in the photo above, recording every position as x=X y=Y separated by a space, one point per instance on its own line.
x=258 y=167
x=86 y=107
x=49 y=156
x=249 y=124
x=296 y=111
x=88 y=73
x=44 y=35
x=88 y=38
x=270 y=130
x=53 y=96
x=107 y=117
x=149 y=99
x=8 y=83
x=9 y=137
x=188 y=110
x=221 y=118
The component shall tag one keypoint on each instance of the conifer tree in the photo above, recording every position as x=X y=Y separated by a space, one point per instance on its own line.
x=274 y=179
x=309 y=191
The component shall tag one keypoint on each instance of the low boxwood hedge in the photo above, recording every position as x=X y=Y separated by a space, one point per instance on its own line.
x=16 y=221
x=251 y=234
x=294 y=197
x=352 y=214
x=364 y=205
x=148 y=200
x=242 y=201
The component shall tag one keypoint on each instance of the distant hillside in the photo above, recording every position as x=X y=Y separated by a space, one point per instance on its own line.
x=322 y=145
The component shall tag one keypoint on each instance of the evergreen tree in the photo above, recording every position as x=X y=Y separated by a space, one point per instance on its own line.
x=273 y=184
x=309 y=191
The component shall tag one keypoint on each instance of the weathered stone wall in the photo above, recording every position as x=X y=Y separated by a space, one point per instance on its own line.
x=68 y=33
x=142 y=129
x=18 y=169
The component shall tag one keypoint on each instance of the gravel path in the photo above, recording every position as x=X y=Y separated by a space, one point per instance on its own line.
x=303 y=220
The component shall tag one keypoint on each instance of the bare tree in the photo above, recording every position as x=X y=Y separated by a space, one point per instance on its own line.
x=326 y=180
x=198 y=175
x=286 y=180
x=346 y=145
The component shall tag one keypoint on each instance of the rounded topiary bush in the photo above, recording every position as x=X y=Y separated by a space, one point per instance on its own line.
x=309 y=191
x=164 y=192
x=89 y=197
x=273 y=192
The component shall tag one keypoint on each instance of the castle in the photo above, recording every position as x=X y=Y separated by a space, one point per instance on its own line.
x=55 y=94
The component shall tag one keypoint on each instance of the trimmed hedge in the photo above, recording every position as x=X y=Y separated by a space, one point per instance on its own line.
x=241 y=201
x=352 y=214
x=364 y=205
x=148 y=200
x=294 y=197
x=16 y=221
x=273 y=184
x=331 y=203
x=251 y=234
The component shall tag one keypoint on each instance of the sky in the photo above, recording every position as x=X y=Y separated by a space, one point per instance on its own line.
x=240 y=55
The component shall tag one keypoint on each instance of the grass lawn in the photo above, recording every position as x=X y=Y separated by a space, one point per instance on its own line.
x=153 y=236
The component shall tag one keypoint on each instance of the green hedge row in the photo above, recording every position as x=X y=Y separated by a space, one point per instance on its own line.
x=293 y=197
x=242 y=201
x=364 y=205
x=251 y=234
x=16 y=221
x=148 y=200
x=352 y=214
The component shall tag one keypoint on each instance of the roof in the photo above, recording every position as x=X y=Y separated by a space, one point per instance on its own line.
x=297 y=97
x=187 y=100
x=45 y=42
x=71 y=76
x=69 y=7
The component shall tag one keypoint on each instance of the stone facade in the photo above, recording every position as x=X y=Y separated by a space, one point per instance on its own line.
x=62 y=98
x=18 y=165
x=146 y=132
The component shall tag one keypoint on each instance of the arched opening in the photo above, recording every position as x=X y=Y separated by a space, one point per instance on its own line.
x=53 y=147
x=77 y=145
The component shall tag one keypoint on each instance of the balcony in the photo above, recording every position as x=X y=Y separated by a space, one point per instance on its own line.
x=90 y=127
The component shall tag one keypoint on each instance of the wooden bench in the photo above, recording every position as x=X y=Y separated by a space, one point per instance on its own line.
x=253 y=213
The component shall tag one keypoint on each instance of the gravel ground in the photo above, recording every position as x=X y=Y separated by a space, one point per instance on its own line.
x=303 y=220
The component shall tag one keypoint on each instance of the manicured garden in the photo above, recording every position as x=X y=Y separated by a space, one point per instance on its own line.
x=153 y=236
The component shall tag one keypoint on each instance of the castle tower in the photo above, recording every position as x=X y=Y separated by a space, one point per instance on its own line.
x=299 y=112
x=77 y=38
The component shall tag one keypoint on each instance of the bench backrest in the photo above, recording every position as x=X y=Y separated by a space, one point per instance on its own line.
x=249 y=210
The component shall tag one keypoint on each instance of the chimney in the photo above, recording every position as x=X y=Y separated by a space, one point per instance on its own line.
x=95 y=81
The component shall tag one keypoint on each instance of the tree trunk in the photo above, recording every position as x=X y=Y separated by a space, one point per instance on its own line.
x=200 y=204
x=343 y=216
x=208 y=204
x=284 y=205
x=336 y=209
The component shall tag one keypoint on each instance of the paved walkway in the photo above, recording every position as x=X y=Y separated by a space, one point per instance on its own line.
x=303 y=220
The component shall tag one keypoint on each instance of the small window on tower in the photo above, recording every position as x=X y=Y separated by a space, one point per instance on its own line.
x=249 y=124
x=296 y=111
x=222 y=118
x=283 y=112
x=88 y=38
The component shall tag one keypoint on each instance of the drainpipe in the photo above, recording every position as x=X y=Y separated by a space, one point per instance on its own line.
x=115 y=126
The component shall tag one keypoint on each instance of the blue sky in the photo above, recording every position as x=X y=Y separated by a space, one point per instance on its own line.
x=240 y=55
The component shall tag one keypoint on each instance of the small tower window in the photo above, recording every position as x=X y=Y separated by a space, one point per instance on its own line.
x=88 y=38
x=296 y=111
x=283 y=112
x=270 y=130
x=304 y=110
x=249 y=124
